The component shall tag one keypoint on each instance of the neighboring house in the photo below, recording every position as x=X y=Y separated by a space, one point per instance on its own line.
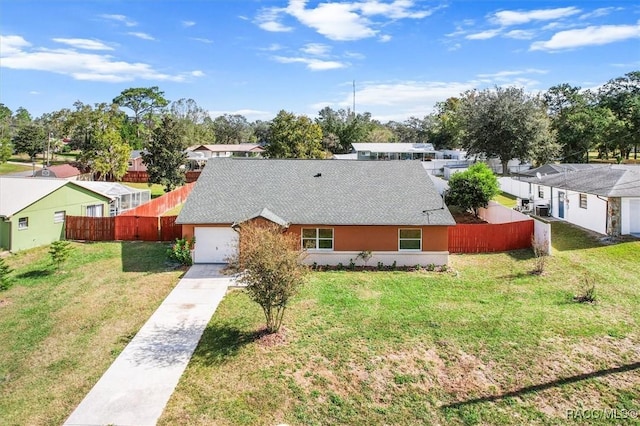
x=32 y=211
x=62 y=171
x=337 y=209
x=602 y=198
x=394 y=151
x=228 y=150
x=135 y=162
x=123 y=197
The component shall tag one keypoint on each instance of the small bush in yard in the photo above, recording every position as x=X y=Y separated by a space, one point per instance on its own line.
x=180 y=251
x=541 y=253
x=587 y=291
x=5 y=280
x=59 y=252
x=270 y=265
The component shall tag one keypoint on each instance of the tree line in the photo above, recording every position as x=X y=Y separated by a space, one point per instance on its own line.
x=564 y=123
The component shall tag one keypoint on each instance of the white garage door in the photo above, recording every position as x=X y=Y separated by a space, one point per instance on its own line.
x=214 y=245
x=634 y=209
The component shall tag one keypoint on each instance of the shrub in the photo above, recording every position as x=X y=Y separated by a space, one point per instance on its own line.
x=541 y=253
x=5 y=279
x=59 y=252
x=180 y=251
x=271 y=268
x=586 y=292
x=365 y=255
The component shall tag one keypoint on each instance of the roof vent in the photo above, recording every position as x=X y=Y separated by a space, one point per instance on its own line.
x=317 y=175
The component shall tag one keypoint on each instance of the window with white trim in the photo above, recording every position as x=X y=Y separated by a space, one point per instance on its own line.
x=410 y=239
x=58 y=217
x=23 y=223
x=317 y=238
x=583 y=201
x=96 y=210
x=540 y=191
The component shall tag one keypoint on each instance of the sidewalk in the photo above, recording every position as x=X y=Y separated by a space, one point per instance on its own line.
x=137 y=386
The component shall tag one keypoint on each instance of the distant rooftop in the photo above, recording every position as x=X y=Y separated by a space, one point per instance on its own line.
x=241 y=147
x=395 y=147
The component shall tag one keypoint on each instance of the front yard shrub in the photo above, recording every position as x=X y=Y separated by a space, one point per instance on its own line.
x=5 y=279
x=180 y=251
x=59 y=252
x=586 y=292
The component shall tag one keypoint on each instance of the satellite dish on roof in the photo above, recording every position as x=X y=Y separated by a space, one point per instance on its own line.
x=538 y=175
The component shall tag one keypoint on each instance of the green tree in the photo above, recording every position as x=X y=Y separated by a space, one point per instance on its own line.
x=29 y=140
x=270 y=261
x=446 y=129
x=504 y=123
x=622 y=96
x=292 y=136
x=165 y=155
x=473 y=188
x=5 y=279
x=59 y=252
x=342 y=128
x=232 y=129
x=144 y=102
x=196 y=124
x=412 y=130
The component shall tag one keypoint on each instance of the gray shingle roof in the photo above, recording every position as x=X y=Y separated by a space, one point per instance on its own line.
x=346 y=193
x=607 y=181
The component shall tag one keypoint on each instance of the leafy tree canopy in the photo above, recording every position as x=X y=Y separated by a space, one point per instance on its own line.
x=292 y=136
x=164 y=156
x=473 y=188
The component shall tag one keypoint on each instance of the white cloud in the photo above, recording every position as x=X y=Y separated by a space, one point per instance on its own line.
x=83 y=43
x=603 y=11
x=202 y=40
x=385 y=38
x=188 y=24
x=354 y=55
x=316 y=49
x=312 y=63
x=502 y=74
x=17 y=53
x=344 y=21
x=35 y=93
x=520 y=34
x=507 y=18
x=454 y=47
x=273 y=47
x=143 y=36
x=120 y=18
x=589 y=36
x=483 y=35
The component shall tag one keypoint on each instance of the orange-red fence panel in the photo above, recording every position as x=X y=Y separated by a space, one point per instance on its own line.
x=490 y=237
x=158 y=206
x=89 y=228
x=169 y=229
x=134 y=228
x=143 y=177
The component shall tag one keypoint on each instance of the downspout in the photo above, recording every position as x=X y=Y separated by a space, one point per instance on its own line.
x=606 y=216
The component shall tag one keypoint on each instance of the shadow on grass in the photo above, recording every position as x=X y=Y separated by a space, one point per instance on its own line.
x=221 y=341
x=38 y=273
x=544 y=386
x=565 y=237
x=141 y=256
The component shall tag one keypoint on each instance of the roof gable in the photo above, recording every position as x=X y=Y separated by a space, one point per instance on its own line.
x=606 y=181
x=316 y=192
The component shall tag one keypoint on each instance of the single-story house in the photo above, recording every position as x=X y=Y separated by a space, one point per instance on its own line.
x=337 y=209
x=61 y=171
x=32 y=211
x=394 y=151
x=228 y=150
x=123 y=197
x=602 y=198
x=136 y=164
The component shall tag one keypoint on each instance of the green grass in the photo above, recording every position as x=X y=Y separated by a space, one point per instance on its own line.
x=174 y=211
x=61 y=330
x=157 y=190
x=505 y=199
x=488 y=343
x=7 y=168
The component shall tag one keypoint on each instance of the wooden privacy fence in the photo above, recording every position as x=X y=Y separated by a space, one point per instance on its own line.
x=490 y=237
x=158 y=206
x=122 y=228
x=143 y=177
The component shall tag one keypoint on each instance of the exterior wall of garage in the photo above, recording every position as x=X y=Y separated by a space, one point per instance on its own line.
x=382 y=241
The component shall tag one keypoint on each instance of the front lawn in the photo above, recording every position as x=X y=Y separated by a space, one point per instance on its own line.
x=486 y=343
x=8 y=168
x=60 y=331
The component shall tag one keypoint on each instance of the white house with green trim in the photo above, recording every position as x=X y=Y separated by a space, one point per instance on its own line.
x=32 y=211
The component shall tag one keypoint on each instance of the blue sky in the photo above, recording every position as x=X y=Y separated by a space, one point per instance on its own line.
x=258 y=57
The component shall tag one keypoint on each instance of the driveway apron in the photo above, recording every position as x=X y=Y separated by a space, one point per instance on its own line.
x=136 y=387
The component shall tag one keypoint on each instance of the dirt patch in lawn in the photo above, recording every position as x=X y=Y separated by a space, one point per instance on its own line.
x=4 y=302
x=466 y=217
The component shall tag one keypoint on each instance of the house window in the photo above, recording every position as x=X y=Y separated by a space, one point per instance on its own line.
x=540 y=191
x=58 y=217
x=583 y=201
x=95 y=210
x=410 y=239
x=23 y=223
x=317 y=238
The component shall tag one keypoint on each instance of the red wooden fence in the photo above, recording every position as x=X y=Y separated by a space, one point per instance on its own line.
x=158 y=206
x=122 y=228
x=143 y=177
x=490 y=237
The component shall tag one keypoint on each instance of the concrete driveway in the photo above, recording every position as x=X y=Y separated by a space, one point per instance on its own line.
x=137 y=386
